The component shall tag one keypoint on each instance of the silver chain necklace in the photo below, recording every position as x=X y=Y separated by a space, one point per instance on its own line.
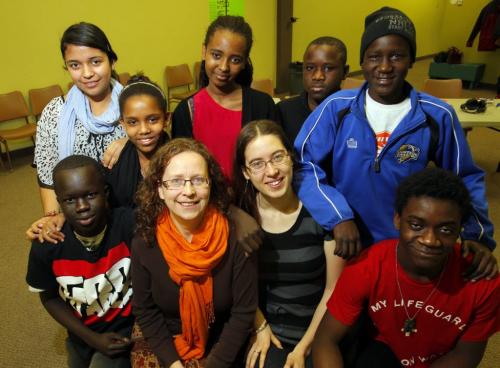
x=410 y=325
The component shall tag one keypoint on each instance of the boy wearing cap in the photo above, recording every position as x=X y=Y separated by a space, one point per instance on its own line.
x=323 y=69
x=376 y=136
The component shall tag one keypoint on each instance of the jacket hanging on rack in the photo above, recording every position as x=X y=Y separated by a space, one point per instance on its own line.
x=486 y=24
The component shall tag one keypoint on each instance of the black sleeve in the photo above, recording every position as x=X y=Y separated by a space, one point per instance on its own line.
x=257 y=105
x=279 y=113
x=122 y=220
x=477 y=25
x=39 y=274
x=271 y=108
x=182 y=124
x=128 y=223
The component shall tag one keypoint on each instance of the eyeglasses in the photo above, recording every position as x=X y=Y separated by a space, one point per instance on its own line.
x=179 y=183
x=278 y=159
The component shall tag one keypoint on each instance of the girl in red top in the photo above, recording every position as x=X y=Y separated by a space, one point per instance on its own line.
x=225 y=102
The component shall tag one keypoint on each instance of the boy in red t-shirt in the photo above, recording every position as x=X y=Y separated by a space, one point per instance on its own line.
x=424 y=313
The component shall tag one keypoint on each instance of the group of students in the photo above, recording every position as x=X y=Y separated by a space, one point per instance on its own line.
x=172 y=214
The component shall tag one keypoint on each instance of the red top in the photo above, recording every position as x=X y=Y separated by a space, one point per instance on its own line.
x=217 y=128
x=458 y=310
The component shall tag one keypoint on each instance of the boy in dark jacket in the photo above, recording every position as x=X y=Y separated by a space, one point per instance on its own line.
x=371 y=138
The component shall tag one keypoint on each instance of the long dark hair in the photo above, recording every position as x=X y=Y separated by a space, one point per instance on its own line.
x=243 y=188
x=150 y=205
x=235 y=24
x=88 y=34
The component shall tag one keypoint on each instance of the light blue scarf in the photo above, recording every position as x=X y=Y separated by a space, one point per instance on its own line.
x=77 y=106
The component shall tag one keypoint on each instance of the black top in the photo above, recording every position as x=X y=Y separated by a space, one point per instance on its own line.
x=125 y=176
x=292 y=113
x=156 y=303
x=256 y=105
x=95 y=284
x=292 y=268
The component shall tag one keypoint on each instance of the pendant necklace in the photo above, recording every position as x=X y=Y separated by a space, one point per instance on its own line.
x=410 y=324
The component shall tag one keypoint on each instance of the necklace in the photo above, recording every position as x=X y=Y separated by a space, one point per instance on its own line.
x=410 y=324
x=91 y=243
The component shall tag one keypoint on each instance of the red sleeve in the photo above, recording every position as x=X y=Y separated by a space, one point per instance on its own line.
x=352 y=289
x=485 y=319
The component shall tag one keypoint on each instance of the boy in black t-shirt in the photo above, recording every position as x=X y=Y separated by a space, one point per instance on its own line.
x=324 y=68
x=84 y=281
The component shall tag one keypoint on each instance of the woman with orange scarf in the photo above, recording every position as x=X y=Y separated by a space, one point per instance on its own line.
x=195 y=291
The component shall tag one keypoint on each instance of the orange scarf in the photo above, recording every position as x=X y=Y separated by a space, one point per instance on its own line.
x=190 y=265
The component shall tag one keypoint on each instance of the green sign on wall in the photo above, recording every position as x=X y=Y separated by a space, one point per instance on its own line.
x=225 y=7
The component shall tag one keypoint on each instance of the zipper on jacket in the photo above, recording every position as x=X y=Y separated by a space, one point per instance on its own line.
x=377 y=165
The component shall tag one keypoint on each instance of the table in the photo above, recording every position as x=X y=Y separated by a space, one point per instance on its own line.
x=489 y=118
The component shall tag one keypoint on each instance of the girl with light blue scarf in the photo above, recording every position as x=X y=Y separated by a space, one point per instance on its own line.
x=86 y=120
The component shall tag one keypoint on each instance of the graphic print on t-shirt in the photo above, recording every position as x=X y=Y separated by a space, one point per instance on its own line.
x=97 y=291
x=382 y=139
x=456 y=310
x=383 y=119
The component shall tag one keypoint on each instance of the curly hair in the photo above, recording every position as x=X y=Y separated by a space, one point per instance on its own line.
x=434 y=183
x=245 y=190
x=150 y=205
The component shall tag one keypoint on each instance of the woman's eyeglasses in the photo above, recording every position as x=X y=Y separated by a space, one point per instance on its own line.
x=278 y=159
x=179 y=183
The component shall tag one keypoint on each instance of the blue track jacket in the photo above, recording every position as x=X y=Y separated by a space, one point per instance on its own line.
x=362 y=186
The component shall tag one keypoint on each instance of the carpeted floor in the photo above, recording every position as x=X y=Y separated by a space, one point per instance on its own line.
x=30 y=338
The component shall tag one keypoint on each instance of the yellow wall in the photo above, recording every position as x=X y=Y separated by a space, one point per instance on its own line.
x=456 y=27
x=345 y=20
x=146 y=35
x=156 y=33
x=439 y=26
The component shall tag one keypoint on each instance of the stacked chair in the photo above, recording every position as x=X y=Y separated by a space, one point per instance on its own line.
x=12 y=107
x=177 y=77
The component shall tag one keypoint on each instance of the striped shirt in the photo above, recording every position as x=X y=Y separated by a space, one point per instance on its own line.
x=292 y=268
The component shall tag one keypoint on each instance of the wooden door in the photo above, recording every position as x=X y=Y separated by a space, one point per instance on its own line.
x=284 y=23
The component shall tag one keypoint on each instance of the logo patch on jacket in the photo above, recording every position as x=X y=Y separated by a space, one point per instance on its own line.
x=407 y=152
x=352 y=143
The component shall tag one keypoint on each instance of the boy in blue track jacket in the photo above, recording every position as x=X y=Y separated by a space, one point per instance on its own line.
x=374 y=137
